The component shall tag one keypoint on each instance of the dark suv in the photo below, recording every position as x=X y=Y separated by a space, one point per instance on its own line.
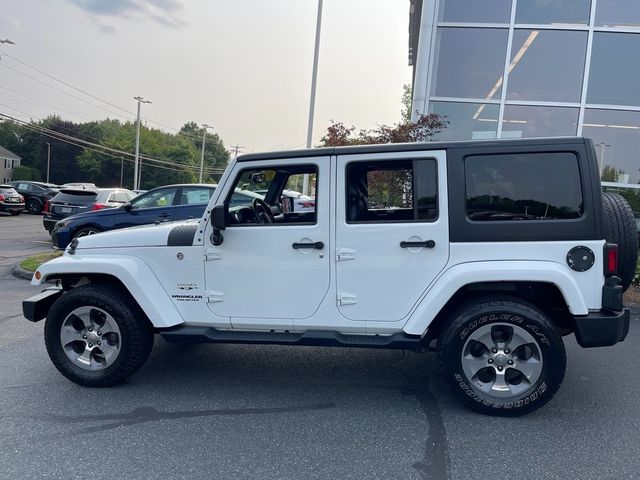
x=10 y=200
x=70 y=201
x=35 y=194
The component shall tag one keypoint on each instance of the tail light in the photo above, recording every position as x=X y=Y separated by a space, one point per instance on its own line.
x=307 y=204
x=1 y=198
x=47 y=205
x=21 y=198
x=98 y=206
x=610 y=259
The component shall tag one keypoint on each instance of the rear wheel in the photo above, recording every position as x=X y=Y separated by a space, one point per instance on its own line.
x=96 y=336
x=34 y=207
x=502 y=356
x=15 y=213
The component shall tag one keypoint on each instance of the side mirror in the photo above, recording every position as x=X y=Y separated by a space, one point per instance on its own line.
x=219 y=223
x=127 y=207
x=219 y=217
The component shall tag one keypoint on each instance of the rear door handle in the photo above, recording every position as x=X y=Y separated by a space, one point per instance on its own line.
x=316 y=245
x=164 y=215
x=425 y=244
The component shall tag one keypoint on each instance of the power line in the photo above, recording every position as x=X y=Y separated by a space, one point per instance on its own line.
x=42 y=102
x=84 y=92
x=59 y=90
x=67 y=84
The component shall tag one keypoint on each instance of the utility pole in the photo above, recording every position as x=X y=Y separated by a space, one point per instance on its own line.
x=235 y=149
x=204 y=140
x=135 y=167
x=48 y=159
x=314 y=82
x=121 y=170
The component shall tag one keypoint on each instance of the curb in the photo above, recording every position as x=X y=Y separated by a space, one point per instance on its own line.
x=19 y=272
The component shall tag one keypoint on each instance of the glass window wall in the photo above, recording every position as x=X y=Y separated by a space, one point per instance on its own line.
x=615 y=69
x=531 y=121
x=547 y=65
x=467 y=120
x=554 y=12
x=475 y=11
x=469 y=62
x=616 y=135
x=618 y=13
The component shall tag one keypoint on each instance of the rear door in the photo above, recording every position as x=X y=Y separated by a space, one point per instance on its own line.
x=156 y=205
x=392 y=232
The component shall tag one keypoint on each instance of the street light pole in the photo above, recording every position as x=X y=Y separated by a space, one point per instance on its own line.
x=48 y=159
x=135 y=167
x=204 y=140
x=314 y=82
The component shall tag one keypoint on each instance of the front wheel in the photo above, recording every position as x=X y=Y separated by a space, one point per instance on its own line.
x=86 y=231
x=502 y=356
x=96 y=336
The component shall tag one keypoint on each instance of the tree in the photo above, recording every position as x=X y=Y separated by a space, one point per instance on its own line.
x=407 y=102
x=338 y=134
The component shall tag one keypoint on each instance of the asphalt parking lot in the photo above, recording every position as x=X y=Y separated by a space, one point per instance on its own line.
x=239 y=412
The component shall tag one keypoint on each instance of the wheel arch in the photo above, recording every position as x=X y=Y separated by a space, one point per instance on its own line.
x=130 y=274
x=545 y=285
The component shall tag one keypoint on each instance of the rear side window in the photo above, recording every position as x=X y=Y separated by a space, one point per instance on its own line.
x=516 y=187
x=396 y=191
x=119 y=197
x=195 y=195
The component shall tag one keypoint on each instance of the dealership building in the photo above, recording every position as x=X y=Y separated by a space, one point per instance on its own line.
x=532 y=68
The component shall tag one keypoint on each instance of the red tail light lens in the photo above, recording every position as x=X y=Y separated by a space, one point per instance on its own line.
x=308 y=204
x=46 y=206
x=611 y=259
x=98 y=206
x=1 y=198
x=21 y=199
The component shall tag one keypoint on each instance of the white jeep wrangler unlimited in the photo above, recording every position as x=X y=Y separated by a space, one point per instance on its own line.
x=486 y=251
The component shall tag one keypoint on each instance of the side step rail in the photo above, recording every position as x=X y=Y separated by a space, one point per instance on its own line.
x=310 y=338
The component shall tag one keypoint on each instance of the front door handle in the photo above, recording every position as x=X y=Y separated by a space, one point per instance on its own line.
x=316 y=245
x=164 y=215
x=425 y=244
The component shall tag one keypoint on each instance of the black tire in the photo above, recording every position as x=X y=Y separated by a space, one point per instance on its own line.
x=15 y=213
x=620 y=228
x=135 y=331
x=502 y=313
x=83 y=232
x=34 y=207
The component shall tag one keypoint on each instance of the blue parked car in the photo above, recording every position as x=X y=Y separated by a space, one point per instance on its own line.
x=164 y=204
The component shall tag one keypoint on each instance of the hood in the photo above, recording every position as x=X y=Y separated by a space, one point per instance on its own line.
x=155 y=235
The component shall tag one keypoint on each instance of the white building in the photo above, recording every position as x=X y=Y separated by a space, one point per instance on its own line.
x=8 y=161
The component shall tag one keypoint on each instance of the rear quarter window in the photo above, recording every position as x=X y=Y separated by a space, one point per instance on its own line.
x=521 y=187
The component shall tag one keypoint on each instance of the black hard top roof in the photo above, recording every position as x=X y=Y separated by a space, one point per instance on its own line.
x=404 y=147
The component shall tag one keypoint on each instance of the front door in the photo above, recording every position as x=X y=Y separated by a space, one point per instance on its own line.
x=273 y=264
x=392 y=234
x=150 y=207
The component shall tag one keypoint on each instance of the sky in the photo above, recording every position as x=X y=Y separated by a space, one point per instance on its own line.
x=243 y=66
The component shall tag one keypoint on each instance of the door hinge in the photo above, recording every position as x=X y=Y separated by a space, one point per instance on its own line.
x=346 y=298
x=343 y=254
x=214 y=297
x=211 y=254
